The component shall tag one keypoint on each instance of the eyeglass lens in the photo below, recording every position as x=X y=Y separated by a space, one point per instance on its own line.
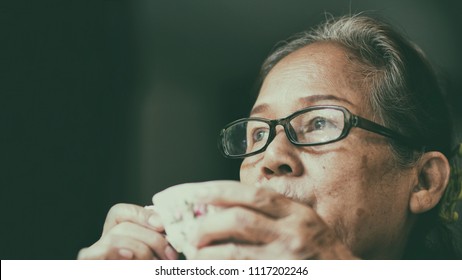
x=311 y=127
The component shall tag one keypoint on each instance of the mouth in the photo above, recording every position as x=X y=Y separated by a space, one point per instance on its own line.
x=297 y=192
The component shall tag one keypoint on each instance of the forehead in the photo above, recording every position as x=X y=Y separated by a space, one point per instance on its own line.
x=318 y=74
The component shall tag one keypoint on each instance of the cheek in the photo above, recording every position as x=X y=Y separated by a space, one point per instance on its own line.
x=344 y=185
x=361 y=197
x=247 y=172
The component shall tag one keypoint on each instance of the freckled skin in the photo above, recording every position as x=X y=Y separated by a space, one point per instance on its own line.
x=354 y=184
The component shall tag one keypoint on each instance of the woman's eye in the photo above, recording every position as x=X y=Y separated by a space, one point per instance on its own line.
x=316 y=124
x=319 y=123
x=259 y=135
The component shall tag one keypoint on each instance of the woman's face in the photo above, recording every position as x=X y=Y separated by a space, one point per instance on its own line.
x=354 y=184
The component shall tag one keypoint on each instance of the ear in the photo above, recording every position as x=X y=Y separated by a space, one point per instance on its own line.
x=433 y=171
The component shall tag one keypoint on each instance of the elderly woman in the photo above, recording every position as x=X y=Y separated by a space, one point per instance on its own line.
x=345 y=155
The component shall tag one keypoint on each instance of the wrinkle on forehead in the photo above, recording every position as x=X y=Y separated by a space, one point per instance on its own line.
x=328 y=62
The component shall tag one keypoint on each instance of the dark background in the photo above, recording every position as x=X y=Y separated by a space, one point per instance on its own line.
x=110 y=101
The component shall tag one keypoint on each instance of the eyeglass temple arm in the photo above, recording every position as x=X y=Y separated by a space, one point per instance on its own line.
x=379 y=129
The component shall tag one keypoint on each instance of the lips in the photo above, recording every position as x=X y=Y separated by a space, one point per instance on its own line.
x=298 y=192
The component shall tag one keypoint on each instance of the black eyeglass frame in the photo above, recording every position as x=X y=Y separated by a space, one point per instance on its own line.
x=351 y=120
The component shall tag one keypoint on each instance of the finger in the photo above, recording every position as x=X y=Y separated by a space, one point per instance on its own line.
x=96 y=252
x=230 y=193
x=154 y=240
x=132 y=213
x=104 y=252
x=237 y=224
x=119 y=247
x=231 y=251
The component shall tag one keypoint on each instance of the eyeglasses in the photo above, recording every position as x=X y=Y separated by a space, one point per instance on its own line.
x=312 y=126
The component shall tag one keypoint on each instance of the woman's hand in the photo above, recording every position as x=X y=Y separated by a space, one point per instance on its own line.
x=258 y=223
x=130 y=232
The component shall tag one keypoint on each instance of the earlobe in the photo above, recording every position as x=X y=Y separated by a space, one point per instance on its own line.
x=433 y=176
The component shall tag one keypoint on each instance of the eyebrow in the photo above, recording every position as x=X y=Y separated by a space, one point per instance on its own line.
x=304 y=100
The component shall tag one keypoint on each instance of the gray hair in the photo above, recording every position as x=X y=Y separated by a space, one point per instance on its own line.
x=404 y=92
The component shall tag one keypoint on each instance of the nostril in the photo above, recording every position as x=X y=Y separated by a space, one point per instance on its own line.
x=268 y=171
x=285 y=169
x=281 y=170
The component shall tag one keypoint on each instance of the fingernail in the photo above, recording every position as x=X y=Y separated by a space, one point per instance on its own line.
x=126 y=254
x=171 y=253
x=154 y=222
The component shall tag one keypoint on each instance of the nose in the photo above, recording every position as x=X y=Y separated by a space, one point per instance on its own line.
x=281 y=158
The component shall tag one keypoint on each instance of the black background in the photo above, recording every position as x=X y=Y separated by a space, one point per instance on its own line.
x=110 y=101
